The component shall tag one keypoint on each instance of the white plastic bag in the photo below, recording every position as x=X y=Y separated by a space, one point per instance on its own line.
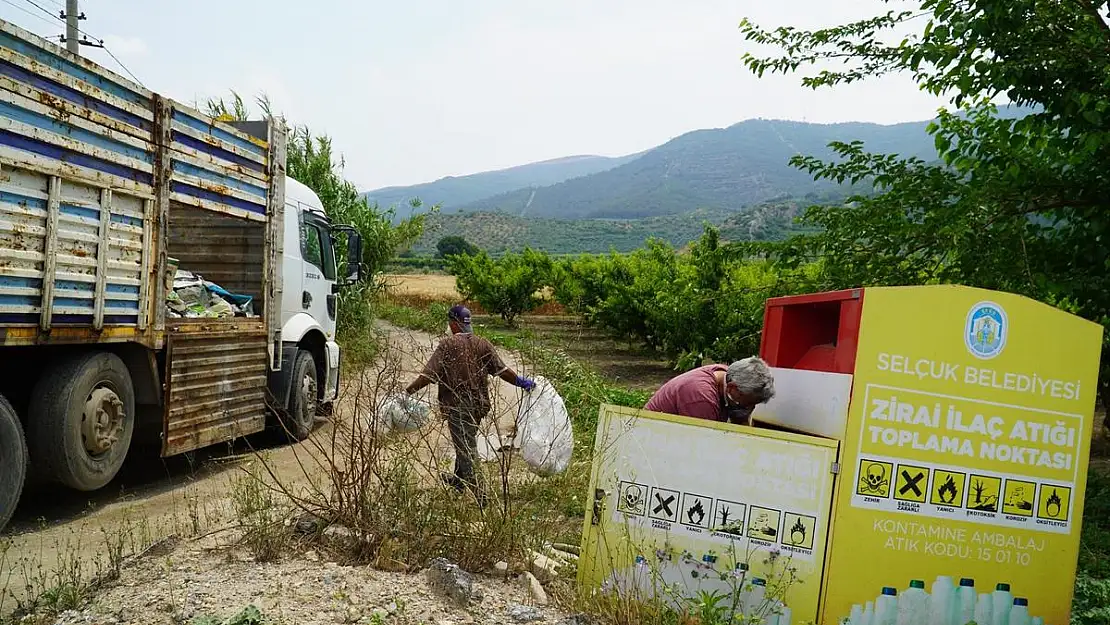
x=491 y=441
x=544 y=431
x=405 y=413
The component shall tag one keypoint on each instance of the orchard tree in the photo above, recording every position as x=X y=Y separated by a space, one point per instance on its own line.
x=1017 y=204
x=509 y=285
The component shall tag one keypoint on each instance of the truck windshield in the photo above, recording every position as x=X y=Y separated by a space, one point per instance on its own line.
x=316 y=246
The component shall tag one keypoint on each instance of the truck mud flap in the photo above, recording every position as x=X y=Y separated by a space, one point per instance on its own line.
x=216 y=377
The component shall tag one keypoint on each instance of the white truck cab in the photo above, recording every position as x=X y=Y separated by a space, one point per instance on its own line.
x=309 y=305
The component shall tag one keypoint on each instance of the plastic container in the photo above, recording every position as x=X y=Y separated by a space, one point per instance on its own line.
x=1019 y=612
x=1036 y=620
x=756 y=593
x=984 y=609
x=1001 y=602
x=855 y=617
x=886 y=607
x=786 y=616
x=773 y=611
x=869 y=614
x=966 y=598
x=912 y=604
x=940 y=601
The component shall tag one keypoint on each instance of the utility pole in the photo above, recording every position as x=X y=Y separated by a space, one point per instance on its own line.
x=72 y=15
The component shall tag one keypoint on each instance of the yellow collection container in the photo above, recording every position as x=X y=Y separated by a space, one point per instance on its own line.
x=937 y=431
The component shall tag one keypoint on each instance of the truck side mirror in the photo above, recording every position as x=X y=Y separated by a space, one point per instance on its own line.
x=354 y=257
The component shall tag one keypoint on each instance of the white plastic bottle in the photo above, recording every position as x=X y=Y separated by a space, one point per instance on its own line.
x=1019 y=613
x=965 y=602
x=912 y=604
x=886 y=608
x=786 y=616
x=855 y=617
x=983 y=610
x=868 y=614
x=1037 y=621
x=940 y=601
x=1001 y=602
x=755 y=597
x=772 y=615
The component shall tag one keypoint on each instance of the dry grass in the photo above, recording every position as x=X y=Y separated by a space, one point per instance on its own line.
x=431 y=286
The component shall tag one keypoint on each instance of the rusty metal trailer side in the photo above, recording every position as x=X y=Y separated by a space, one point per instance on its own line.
x=101 y=181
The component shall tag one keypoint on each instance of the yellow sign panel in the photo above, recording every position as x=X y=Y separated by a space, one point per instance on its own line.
x=680 y=503
x=975 y=407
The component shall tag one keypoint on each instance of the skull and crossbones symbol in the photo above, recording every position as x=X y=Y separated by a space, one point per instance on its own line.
x=633 y=497
x=875 y=480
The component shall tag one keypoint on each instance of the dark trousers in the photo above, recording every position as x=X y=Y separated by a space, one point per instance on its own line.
x=463 y=424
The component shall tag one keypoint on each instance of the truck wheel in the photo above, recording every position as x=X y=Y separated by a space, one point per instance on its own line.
x=81 y=419
x=13 y=461
x=304 y=396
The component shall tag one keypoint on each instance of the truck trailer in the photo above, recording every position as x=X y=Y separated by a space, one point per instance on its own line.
x=106 y=190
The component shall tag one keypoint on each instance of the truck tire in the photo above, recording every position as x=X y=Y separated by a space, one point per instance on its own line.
x=81 y=419
x=303 y=396
x=13 y=461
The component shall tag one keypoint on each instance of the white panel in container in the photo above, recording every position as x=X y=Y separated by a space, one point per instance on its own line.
x=814 y=402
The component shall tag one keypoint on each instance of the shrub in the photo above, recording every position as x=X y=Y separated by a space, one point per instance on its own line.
x=507 y=286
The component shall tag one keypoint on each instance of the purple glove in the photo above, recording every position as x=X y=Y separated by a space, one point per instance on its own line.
x=525 y=383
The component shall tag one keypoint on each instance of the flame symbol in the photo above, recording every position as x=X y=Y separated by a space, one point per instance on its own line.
x=947 y=491
x=797 y=529
x=1053 y=501
x=698 y=511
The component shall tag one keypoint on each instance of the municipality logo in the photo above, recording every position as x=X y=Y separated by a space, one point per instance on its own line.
x=986 y=330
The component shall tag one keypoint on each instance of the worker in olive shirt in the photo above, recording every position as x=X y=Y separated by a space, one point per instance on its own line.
x=461 y=366
x=717 y=392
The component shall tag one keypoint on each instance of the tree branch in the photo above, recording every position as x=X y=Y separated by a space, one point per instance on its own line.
x=1092 y=9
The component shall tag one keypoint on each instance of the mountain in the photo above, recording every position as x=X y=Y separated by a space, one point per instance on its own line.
x=722 y=169
x=453 y=192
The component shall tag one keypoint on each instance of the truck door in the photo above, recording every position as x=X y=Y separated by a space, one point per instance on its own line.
x=317 y=297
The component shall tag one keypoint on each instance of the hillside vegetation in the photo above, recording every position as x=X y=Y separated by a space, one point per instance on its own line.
x=497 y=232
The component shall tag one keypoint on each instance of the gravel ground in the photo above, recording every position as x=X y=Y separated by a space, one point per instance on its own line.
x=203 y=579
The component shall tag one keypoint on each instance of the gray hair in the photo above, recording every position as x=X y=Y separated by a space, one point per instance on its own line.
x=752 y=377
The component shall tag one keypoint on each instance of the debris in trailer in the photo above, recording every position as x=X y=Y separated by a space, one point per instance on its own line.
x=194 y=297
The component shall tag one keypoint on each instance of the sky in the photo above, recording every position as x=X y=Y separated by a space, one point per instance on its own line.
x=415 y=90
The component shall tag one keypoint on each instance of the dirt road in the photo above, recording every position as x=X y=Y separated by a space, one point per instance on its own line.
x=59 y=535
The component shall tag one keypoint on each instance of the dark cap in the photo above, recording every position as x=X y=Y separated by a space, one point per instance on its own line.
x=461 y=315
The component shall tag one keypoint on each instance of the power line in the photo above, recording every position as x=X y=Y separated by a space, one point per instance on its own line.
x=129 y=72
x=90 y=40
x=28 y=12
x=44 y=10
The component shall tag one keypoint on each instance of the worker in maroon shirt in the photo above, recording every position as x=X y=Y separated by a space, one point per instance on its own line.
x=717 y=392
